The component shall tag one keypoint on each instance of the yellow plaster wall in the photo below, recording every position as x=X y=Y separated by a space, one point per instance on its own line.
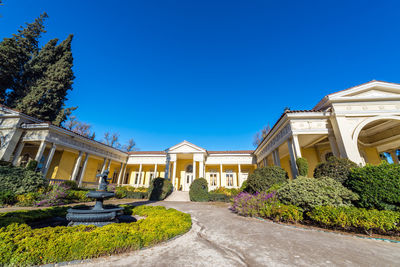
x=93 y=167
x=54 y=165
x=285 y=164
x=311 y=155
x=372 y=155
x=63 y=170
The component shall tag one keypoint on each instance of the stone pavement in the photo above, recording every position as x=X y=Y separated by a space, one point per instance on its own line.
x=178 y=196
x=221 y=238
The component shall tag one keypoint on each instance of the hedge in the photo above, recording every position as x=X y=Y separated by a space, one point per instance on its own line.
x=335 y=168
x=199 y=190
x=302 y=166
x=218 y=197
x=359 y=219
x=159 y=189
x=19 y=180
x=377 y=186
x=263 y=178
x=22 y=245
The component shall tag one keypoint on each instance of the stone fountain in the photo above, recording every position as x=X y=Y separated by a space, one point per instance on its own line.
x=99 y=214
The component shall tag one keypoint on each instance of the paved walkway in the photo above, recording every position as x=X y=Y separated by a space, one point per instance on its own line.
x=178 y=196
x=220 y=238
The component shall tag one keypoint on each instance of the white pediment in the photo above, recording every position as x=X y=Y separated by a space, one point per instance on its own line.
x=186 y=147
x=373 y=89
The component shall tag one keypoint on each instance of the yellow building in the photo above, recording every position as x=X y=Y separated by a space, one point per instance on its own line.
x=358 y=123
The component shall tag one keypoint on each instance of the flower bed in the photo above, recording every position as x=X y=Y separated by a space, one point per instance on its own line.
x=22 y=245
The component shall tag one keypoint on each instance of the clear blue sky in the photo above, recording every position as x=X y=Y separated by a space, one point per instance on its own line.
x=212 y=72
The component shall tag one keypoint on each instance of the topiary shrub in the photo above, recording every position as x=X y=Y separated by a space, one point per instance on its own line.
x=377 y=186
x=19 y=180
x=335 y=168
x=159 y=189
x=302 y=166
x=308 y=193
x=198 y=191
x=263 y=178
x=32 y=165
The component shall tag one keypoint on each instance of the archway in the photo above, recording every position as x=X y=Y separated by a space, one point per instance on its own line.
x=377 y=139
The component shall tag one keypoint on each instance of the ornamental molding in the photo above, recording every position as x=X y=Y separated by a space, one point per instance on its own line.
x=275 y=142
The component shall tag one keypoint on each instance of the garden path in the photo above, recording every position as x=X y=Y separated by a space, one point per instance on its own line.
x=221 y=238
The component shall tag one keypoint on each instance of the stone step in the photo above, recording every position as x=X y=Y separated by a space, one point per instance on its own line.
x=178 y=196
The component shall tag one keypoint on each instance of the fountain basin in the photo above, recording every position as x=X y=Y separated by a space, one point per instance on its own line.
x=91 y=216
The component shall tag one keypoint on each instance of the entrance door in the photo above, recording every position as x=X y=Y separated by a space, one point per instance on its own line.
x=188 y=179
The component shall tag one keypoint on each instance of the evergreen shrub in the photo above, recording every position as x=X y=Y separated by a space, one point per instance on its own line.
x=359 y=219
x=302 y=166
x=263 y=178
x=198 y=191
x=70 y=184
x=159 y=189
x=32 y=165
x=377 y=186
x=20 y=180
x=7 y=198
x=335 y=168
x=23 y=246
x=218 y=197
x=308 y=193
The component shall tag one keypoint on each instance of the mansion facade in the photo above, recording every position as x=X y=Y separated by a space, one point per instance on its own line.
x=359 y=123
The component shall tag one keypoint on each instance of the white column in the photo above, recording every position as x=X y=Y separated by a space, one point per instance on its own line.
x=332 y=142
x=155 y=171
x=394 y=156
x=140 y=175
x=76 y=167
x=220 y=176
x=108 y=165
x=276 y=157
x=124 y=173
x=120 y=173
x=194 y=169
x=239 y=176
x=49 y=159
x=201 y=169
x=293 y=165
x=18 y=153
x=40 y=151
x=296 y=146
x=83 y=169
x=174 y=176
x=103 y=167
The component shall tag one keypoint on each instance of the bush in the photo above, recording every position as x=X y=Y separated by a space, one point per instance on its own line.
x=377 y=186
x=78 y=195
x=56 y=196
x=22 y=245
x=302 y=166
x=266 y=206
x=159 y=189
x=7 y=197
x=131 y=192
x=265 y=177
x=244 y=187
x=19 y=180
x=338 y=169
x=199 y=190
x=226 y=191
x=69 y=184
x=32 y=165
x=218 y=197
x=309 y=193
x=352 y=218
x=28 y=199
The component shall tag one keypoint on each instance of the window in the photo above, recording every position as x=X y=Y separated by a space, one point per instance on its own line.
x=189 y=168
x=137 y=178
x=151 y=176
x=229 y=179
x=114 y=177
x=213 y=179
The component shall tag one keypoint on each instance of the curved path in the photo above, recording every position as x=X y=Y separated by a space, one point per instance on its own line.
x=220 y=238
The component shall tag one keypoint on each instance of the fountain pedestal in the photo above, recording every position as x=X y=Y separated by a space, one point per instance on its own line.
x=99 y=214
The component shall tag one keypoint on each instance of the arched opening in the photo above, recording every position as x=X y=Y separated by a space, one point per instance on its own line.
x=379 y=140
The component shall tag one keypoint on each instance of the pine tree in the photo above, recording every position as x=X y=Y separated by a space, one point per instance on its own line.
x=49 y=77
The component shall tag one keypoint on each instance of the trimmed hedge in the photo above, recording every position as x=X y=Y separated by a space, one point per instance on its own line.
x=159 y=189
x=22 y=245
x=131 y=192
x=19 y=180
x=218 y=197
x=335 y=168
x=308 y=193
x=377 y=186
x=199 y=190
x=302 y=166
x=263 y=178
x=359 y=219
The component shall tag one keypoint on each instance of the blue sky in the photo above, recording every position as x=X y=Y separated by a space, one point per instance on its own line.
x=212 y=72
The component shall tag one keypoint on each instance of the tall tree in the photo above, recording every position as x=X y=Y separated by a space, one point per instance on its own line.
x=259 y=136
x=130 y=146
x=79 y=127
x=111 y=139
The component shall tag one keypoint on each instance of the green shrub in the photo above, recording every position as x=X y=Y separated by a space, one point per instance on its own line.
x=28 y=199
x=22 y=245
x=19 y=180
x=230 y=192
x=352 y=218
x=7 y=197
x=279 y=212
x=69 y=184
x=274 y=188
x=78 y=195
x=302 y=166
x=199 y=190
x=131 y=192
x=159 y=189
x=377 y=186
x=32 y=165
x=218 y=197
x=309 y=193
x=338 y=169
x=263 y=178
x=244 y=187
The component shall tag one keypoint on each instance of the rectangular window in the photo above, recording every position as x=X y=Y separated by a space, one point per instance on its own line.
x=137 y=178
x=229 y=179
x=213 y=179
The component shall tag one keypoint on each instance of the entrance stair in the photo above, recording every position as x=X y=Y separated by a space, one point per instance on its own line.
x=178 y=196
